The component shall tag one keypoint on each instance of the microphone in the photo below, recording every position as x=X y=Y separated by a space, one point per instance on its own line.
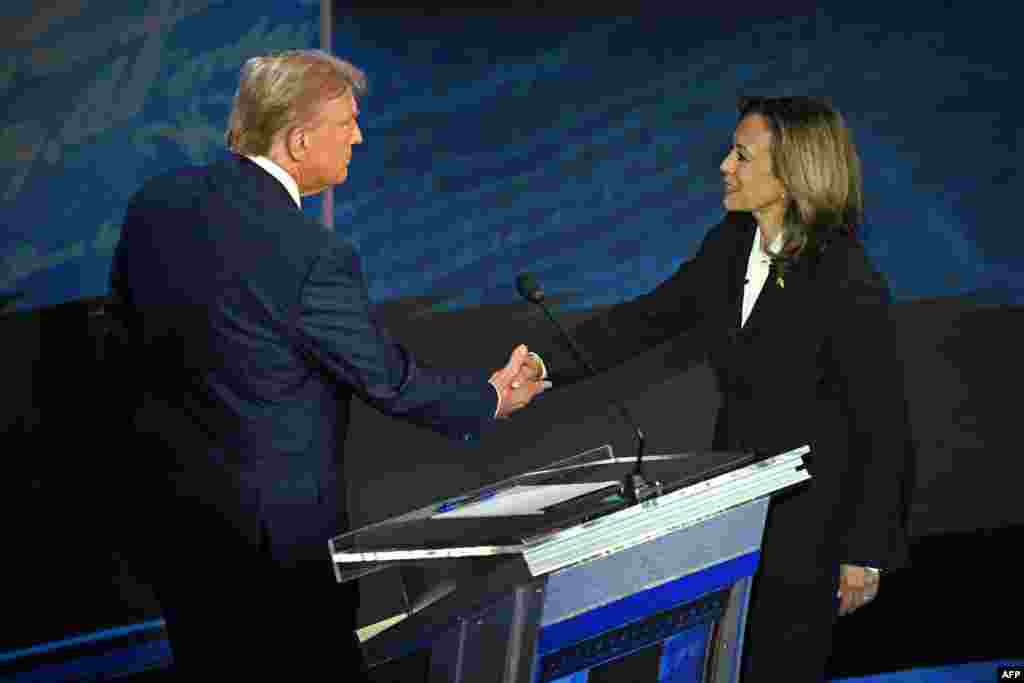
x=635 y=487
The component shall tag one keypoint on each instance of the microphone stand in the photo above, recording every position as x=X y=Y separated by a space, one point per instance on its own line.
x=635 y=486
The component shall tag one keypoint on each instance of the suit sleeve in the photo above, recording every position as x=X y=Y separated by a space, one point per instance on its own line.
x=872 y=375
x=337 y=331
x=122 y=336
x=632 y=327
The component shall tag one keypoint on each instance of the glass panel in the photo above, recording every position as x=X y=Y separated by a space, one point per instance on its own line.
x=485 y=524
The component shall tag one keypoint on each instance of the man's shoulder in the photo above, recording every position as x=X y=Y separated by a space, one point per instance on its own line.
x=178 y=181
x=336 y=248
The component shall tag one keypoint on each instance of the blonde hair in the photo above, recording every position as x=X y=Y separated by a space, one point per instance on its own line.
x=814 y=158
x=285 y=89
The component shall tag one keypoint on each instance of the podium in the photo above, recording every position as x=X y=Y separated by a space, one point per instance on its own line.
x=558 y=579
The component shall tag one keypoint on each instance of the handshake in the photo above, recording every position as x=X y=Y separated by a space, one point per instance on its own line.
x=518 y=382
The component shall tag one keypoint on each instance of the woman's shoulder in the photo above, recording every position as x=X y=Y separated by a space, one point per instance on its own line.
x=844 y=261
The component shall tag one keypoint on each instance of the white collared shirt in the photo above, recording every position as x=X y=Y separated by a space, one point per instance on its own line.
x=281 y=175
x=758 y=266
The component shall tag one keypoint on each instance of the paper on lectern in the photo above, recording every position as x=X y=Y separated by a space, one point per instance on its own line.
x=523 y=500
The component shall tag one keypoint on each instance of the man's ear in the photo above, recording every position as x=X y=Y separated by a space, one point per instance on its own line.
x=297 y=142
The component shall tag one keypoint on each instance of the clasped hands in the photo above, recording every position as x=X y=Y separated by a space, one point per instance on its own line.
x=518 y=382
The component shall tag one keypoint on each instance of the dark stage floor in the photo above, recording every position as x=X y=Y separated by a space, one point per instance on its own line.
x=957 y=604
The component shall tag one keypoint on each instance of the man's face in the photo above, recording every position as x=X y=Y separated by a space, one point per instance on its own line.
x=331 y=137
x=750 y=184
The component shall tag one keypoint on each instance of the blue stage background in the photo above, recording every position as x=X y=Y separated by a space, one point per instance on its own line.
x=584 y=148
x=100 y=95
x=588 y=149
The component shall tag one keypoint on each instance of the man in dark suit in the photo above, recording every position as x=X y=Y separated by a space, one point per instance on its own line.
x=795 y=320
x=247 y=329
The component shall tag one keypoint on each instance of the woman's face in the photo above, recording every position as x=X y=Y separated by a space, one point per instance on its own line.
x=750 y=184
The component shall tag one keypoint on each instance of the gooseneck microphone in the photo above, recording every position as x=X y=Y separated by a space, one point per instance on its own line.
x=635 y=486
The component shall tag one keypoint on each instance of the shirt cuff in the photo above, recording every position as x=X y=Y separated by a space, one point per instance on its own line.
x=497 y=409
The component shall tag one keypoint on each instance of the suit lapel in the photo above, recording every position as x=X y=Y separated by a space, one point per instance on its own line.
x=765 y=305
x=738 y=271
x=770 y=296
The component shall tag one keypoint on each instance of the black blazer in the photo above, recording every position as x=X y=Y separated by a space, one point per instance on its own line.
x=814 y=364
x=248 y=330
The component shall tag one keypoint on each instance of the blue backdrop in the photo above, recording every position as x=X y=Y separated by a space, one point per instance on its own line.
x=99 y=95
x=585 y=149
x=588 y=149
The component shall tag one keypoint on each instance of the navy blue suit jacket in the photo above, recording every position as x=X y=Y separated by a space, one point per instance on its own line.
x=248 y=329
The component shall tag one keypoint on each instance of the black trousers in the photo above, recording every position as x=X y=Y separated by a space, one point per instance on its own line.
x=789 y=633
x=793 y=604
x=231 y=610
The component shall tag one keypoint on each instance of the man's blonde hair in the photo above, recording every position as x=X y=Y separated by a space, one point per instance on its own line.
x=285 y=89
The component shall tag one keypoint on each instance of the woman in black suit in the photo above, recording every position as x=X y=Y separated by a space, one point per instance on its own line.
x=798 y=323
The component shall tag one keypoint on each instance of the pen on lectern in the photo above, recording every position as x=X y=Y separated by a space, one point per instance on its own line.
x=459 y=502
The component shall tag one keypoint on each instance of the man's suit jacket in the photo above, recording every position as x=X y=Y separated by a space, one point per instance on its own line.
x=813 y=364
x=249 y=329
